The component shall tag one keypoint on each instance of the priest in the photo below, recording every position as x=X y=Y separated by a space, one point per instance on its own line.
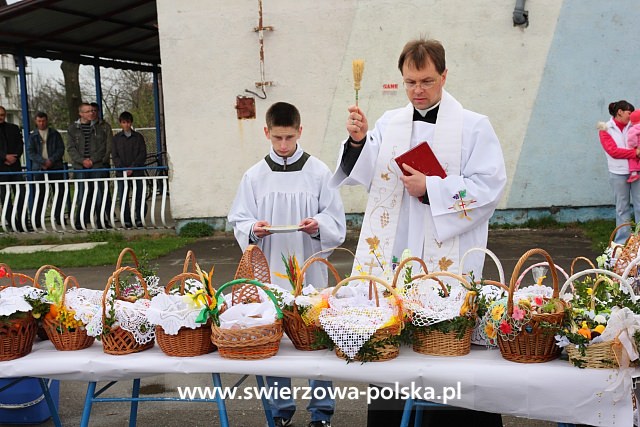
x=437 y=218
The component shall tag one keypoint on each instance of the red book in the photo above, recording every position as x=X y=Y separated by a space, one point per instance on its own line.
x=422 y=159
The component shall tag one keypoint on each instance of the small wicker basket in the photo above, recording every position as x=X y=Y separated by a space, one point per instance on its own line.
x=301 y=334
x=62 y=338
x=187 y=342
x=253 y=265
x=533 y=343
x=17 y=334
x=119 y=341
x=258 y=342
x=437 y=343
x=601 y=355
x=385 y=350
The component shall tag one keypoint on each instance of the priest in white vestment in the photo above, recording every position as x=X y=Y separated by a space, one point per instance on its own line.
x=438 y=219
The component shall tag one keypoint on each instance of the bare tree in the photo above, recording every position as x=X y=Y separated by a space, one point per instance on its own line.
x=71 y=73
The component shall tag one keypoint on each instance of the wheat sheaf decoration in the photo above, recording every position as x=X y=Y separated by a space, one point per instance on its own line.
x=358 y=69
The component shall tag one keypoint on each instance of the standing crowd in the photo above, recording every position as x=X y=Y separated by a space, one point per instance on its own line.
x=92 y=149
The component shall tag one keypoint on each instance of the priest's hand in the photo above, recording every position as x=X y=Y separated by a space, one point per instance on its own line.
x=259 y=229
x=357 y=125
x=416 y=183
x=309 y=226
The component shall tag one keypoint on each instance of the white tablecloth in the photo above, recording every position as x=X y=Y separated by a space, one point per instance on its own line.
x=554 y=391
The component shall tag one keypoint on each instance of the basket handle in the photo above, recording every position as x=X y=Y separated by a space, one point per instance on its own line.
x=41 y=270
x=434 y=277
x=405 y=261
x=124 y=252
x=189 y=261
x=513 y=283
x=600 y=272
x=182 y=278
x=495 y=260
x=262 y=286
x=580 y=258
x=115 y=276
x=65 y=285
x=298 y=289
x=24 y=279
x=615 y=230
x=539 y=264
x=8 y=274
x=464 y=282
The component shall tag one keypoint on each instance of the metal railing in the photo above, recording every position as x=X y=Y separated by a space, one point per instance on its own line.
x=89 y=199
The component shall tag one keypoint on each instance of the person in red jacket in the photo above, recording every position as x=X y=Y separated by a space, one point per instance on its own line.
x=613 y=137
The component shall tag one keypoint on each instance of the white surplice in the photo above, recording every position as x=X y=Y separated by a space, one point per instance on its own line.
x=286 y=198
x=460 y=205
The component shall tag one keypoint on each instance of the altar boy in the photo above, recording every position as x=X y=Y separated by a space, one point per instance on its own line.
x=285 y=207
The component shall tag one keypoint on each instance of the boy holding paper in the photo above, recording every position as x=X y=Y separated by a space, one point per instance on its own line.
x=284 y=206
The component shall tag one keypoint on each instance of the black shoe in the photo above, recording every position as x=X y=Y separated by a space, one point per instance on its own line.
x=320 y=424
x=281 y=422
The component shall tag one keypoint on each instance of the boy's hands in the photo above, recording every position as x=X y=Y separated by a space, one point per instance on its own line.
x=309 y=226
x=258 y=229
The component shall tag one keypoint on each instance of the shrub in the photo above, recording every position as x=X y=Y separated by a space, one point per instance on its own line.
x=196 y=229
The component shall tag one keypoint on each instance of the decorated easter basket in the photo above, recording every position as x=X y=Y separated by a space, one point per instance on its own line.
x=257 y=342
x=605 y=354
x=531 y=338
x=301 y=330
x=489 y=291
x=17 y=328
x=117 y=340
x=188 y=341
x=253 y=265
x=623 y=255
x=62 y=337
x=428 y=340
x=384 y=343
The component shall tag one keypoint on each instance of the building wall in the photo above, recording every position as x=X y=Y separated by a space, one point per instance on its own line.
x=544 y=87
x=9 y=92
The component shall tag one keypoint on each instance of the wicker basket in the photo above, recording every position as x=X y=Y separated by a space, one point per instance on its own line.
x=600 y=355
x=302 y=335
x=187 y=342
x=254 y=266
x=17 y=334
x=62 y=338
x=258 y=342
x=119 y=341
x=398 y=271
x=533 y=343
x=437 y=343
x=628 y=252
x=385 y=351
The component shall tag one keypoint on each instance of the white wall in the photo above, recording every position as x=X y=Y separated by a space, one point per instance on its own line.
x=210 y=54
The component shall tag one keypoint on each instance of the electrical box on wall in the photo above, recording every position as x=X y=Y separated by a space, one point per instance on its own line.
x=245 y=107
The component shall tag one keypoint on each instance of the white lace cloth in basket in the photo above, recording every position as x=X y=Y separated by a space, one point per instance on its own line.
x=129 y=316
x=173 y=312
x=429 y=307
x=491 y=293
x=352 y=318
x=12 y=299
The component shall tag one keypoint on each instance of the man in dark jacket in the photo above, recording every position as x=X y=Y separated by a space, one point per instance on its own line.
x=45 y=150
x=129 y=150
x=11 y=148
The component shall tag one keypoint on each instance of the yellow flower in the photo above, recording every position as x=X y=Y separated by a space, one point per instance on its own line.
x=599 y=329
x=197 y=299
x=490 y=331
x=497 y=312
x=589 y=291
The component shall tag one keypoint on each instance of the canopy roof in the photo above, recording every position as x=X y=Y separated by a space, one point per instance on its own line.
x=112 y=33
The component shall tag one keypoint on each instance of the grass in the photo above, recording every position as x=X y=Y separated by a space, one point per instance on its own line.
x=598 y=231
x=151 y=245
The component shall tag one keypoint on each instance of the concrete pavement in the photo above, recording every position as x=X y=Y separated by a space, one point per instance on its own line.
x=223 y=252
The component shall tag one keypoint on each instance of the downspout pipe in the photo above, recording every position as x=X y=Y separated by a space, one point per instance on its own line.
x=520 y=16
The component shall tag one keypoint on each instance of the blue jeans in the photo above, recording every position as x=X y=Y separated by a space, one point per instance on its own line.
x=320 y=409
x=625 y=194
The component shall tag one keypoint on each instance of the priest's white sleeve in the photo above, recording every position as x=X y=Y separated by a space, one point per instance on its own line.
x=461 y=203
x=244 y=212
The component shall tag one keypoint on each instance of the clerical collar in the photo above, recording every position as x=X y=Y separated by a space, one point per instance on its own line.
x=289 y=160
x=429 y=115
x=293 y=163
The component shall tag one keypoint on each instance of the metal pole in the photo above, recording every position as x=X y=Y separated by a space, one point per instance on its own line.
x=24 y=101
x=156 y=108
x=96 y=70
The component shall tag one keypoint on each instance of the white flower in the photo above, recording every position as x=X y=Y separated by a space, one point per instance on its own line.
x=600 y=319
x=562 y=341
